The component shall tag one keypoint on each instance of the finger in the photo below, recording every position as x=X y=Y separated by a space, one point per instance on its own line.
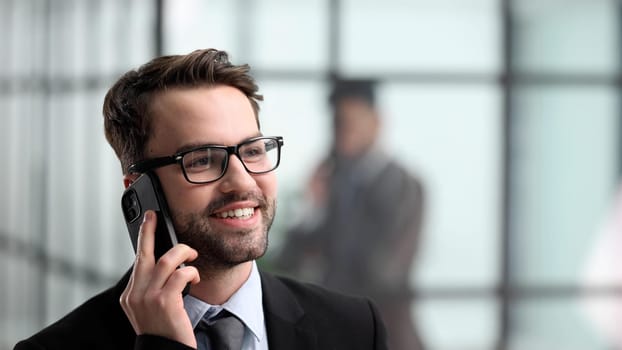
x=179 y=279
x=126 y=292
x=124 y=300
x=169 y=262
x=145 y=259
x=146 y=239
x=194 y=253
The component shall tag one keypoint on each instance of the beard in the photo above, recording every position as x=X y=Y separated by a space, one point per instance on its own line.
x=220 y=250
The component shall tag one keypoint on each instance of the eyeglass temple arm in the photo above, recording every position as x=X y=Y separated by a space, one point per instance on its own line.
x=149 y=164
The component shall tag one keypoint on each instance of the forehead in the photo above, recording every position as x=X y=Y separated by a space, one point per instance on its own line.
x=204 y=115
x=352 y=108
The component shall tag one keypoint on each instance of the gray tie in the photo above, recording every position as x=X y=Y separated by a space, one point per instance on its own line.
x=225 y=333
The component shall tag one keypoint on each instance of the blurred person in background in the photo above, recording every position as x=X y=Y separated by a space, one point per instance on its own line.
x=193 y=120
x=362 y=216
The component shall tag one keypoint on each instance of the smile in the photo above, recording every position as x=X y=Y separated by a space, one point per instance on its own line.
x=239 y=213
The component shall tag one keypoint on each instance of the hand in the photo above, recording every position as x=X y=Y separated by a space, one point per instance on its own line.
x=153 y=299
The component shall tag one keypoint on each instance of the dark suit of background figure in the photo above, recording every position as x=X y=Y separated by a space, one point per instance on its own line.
x=362 y=234
x=297 y=316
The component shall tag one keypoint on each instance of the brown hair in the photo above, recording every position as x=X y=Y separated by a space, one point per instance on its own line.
x=127 y=104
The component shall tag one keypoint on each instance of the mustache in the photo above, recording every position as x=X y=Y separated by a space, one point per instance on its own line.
x=229 y=198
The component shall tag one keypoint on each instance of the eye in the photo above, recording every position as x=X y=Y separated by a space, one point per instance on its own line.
x=253 y=151
x=202 y=160
x=194 y=164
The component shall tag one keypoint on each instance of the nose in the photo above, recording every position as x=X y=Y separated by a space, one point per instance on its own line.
x=236 y=178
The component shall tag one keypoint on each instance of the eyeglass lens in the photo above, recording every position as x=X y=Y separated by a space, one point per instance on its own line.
x=208 y=164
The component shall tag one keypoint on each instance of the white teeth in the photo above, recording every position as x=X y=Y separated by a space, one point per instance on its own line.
x=240 y=213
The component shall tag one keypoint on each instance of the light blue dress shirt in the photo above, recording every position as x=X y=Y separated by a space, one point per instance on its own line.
x=246 y=304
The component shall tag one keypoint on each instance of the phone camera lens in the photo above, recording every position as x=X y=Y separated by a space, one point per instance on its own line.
x=131 y=207
x=132 y=213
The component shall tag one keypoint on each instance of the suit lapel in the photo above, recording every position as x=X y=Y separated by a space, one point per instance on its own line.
x=286 y=324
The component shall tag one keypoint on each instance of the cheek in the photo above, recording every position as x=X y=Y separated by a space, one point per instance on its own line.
x=182 y=196
x=194 y=201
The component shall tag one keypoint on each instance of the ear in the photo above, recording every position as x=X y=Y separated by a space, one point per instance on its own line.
x=128 y=179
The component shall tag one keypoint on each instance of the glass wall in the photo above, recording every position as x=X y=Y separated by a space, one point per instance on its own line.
x=565 y=169
x=62 y=236
x=507 y=110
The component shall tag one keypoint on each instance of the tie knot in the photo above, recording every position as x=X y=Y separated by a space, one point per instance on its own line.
x=224 y=331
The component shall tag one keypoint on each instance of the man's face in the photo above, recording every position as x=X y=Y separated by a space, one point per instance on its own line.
x=219 y=115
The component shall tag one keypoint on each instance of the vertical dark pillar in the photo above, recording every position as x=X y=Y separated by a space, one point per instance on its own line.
x=507 y=74
x=159 y=28
x=334 y=38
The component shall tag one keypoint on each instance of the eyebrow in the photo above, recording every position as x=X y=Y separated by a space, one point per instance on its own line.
x=191 y=146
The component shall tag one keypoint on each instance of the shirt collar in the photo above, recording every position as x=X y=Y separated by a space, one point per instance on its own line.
x=246 y=304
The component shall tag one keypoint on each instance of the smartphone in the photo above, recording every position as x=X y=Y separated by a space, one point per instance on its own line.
x=145 y=193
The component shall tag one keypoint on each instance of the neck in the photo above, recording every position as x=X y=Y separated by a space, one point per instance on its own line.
x=217 y=286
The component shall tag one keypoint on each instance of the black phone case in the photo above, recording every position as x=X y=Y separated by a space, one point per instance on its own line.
x=145 y=193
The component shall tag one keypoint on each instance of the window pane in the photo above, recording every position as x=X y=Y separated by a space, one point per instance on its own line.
x=381 y=36
x=566 y=36
x=111 y=20
x=552 y=324
x=196 y=24
x=290 y=35
x=63 y=186
x=602 y=317
x=458 y=324
x=449 y=135
x=21 y=302
x=564 y=167
x=26 y=39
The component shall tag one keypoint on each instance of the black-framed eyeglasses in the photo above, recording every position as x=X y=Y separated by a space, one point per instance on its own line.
x=209 y=163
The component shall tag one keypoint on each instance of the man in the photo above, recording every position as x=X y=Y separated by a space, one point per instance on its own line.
x=362 y=229
x=195 y=107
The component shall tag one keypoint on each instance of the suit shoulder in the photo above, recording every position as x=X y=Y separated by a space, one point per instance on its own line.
x=306 y=290
x=320 y=302
x=340 y=321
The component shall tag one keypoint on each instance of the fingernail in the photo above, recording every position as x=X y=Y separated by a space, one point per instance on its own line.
x=147 y=216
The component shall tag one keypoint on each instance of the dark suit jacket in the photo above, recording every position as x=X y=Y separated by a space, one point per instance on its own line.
x=297 y=316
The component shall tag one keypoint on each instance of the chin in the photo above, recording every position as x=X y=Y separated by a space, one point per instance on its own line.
x=206 y=264
x=219 y=254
